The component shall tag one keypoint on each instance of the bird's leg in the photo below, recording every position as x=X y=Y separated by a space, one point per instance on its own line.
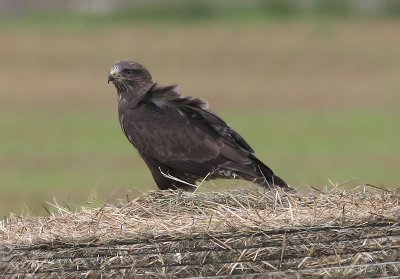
x=165 y=179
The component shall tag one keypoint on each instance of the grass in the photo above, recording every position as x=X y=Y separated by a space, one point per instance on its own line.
x=192 y=12
x=332 y=145
x=316 y=100
x=79 y=155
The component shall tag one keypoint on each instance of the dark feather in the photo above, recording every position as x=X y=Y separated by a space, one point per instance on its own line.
x=171 y=94
x=180 y=137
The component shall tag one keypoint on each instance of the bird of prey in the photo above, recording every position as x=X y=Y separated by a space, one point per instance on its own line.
x=179 y=138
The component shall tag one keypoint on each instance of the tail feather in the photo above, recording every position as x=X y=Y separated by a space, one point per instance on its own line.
x=255 y=171
x=266 y=176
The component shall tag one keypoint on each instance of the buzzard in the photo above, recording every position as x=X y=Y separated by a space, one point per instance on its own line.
x=181 y=141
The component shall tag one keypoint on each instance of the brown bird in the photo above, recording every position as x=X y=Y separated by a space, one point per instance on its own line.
x=181 y=141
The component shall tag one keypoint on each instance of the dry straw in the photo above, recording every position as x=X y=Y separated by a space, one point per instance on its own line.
x=167 y=234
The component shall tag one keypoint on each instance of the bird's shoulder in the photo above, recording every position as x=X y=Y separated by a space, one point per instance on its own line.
x=170 y=96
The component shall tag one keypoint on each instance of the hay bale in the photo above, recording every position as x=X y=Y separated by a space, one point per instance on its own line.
x=177 y=234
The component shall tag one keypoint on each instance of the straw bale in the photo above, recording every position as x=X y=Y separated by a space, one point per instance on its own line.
x=176 y=234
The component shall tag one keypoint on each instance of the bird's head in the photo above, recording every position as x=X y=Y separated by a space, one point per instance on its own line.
x=130 y=76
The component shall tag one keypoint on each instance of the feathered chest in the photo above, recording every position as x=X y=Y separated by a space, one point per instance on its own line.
x=125 y=120
x=142 y=124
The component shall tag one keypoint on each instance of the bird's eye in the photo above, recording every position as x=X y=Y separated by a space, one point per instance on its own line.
x=128 y=71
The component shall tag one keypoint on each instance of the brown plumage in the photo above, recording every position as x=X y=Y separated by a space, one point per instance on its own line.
x=179 y=137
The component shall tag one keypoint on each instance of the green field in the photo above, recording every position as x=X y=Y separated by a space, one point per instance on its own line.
x=317 y=99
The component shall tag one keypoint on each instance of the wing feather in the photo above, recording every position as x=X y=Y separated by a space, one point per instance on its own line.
x=182 y=133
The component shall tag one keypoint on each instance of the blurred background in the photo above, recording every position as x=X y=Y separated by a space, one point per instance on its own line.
x=314 y=87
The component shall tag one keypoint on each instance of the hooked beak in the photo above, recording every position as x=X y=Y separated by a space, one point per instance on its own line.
x=112 y=75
